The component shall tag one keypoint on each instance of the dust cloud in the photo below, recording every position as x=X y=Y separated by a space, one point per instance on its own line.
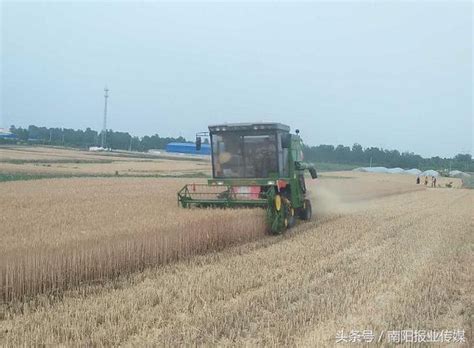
x=329 y=200
x=325 y=202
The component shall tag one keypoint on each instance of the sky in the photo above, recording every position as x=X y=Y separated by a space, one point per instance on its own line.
x=396 y=75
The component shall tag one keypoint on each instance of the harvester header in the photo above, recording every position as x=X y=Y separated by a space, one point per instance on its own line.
x=254 y=164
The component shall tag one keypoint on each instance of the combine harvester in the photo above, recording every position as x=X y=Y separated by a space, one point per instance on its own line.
x=254 y=165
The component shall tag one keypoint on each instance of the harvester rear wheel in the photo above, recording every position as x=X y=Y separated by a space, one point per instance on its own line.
x=306 y=212
x=291 y=217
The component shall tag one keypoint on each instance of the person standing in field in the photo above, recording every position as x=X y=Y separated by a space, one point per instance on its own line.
x=417 y=180
x=426 y=180
x=434 y=181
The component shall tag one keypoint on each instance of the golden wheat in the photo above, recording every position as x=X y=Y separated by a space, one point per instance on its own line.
x=62 y=233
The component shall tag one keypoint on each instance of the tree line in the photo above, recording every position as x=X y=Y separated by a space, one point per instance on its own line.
x=89 y=137
x=374 y=156
x=355 y=155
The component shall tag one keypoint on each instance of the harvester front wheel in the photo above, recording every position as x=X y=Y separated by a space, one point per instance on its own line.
x=306 y=211
x=276 y=215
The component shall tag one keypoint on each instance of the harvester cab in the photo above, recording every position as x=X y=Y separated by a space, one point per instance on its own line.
x=255 y=165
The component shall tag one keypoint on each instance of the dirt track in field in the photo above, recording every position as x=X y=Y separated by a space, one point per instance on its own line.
x=62 y=161
x=382 y=254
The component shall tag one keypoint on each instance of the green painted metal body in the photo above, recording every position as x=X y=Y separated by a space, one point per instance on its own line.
x=234 y=192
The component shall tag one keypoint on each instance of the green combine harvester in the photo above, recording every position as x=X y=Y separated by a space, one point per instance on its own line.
x=254 y=165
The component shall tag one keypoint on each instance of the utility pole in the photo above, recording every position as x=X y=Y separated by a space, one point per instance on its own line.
x=104 y=129
x=370 y=161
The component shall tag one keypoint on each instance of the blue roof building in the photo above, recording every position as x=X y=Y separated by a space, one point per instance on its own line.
x=189 y=148
x=7 y=135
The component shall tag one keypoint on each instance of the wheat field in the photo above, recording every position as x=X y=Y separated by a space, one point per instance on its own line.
x=65 y=232
x=115 y=261
x=59 y=161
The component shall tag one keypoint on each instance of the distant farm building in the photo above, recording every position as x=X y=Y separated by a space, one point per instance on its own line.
x=189 y=148
x=6 y=134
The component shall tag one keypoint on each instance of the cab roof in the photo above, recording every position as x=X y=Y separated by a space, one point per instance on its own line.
x=232 y=127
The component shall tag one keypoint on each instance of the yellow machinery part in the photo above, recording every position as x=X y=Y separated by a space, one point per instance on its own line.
x=277 y=202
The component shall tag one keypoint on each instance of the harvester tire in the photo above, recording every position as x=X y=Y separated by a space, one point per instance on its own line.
x=291 y=218
x=275 y=220
x=306 y=212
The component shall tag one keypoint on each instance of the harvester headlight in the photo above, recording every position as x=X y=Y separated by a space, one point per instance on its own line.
x=220 y=183
x=271 y=182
